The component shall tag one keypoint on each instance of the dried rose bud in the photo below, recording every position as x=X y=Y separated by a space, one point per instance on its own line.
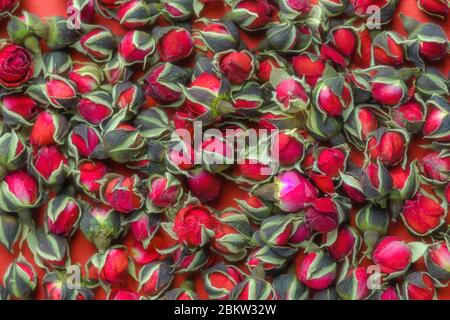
x=10 y=230
x=16 y=66
x=266 y=258
x=155 y=278
x=268 y=61
x=432 y=42
x=136 y=47
x=63 y=215
x=186 y=260
x=98 y=44
x=178 y=10
x=354 y=285
x=388 y=146
x=112 y=265
x=18 y=109
x=317 y=270
x=85 y=9
x=20 y=278
x=85 y=142
x=57 y=286
x=221 y=279
x=438 y=114
x=26 y=30
x=253 y=207
x=333 y=8
x=360 y=124
x=432 y=83
x=18 y=191
x=332 y=161
x=115 y=71
x=376 y=182
x=8 y=6
x=387 y=88
x=410 y=116
x=124 y=143
x=162 y=83
x=194 y=225
x=288 y=148
x=137 y=14
x=173 y=43
x=423 y=214
x=390 y=293
x=309 y=66
x=216 y=35
x=181 y=294
x=13 y=151
x=50 y=165
x=347 y=242
x=276 y=230
x=333 y=96
x=237 y=66
x=438 y=8
x=437 y=260
x=374 y=223
x=86 y=76
x=88 y=176
x=50 y=250
x=128 y=96
x=122 y=295
x=122 y=193
x=144 y=227
x=392 y=255
x=61 y=92
x=325 y=214
x=436 y=167
x=290 y=93
x=95 y=107
x=286 y=37
x=248 y=100
x=288 y=287
x=61 y=33
x=252 y=288
x=363 y=8
x=251 y=14
x=57 y=62
x=163 y=191
x=419 y=286
x=204 y=185
x=101 y=226
x=340 y=45
x=292 y=9
x=388 y=48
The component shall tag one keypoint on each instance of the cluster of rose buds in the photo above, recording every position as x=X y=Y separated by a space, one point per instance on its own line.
x=359 y=122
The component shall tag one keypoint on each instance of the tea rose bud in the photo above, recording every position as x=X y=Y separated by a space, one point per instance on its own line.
x=16 y=66
x=181 y=294
x=237 y=66
x=124 y=143
x=374 y=223
x=392 y=255
x=18 y=109
x=113 y=266
x=95 y=107
x=84 y=141
x=288 y=148
x=437 y=260
x=290 y=93
x=86 y=76
x=410 y=115
x=221 y=279
x=144 y=227
x=122 y=295
x=50 y=165
x=354 y=285
x=286 y=37
x=20 y=278
x=360 y=124
x=251 y=14
x=439 y=112
x=333 y=96
x=162 y=83
x=116 y=71
x=128 y=96
x=317 y=270
x=122 y=193
x=136 y=47
x=252 y=288
x=98 y=44
x=204 y=185
x=347 y=242
x=88 y=176
x=85 y=9
x=436 y=167
x=423 y=214
x=50 y=251
x=432 y=42
x=13 y=151
x=155 y=278
x=288 y=287
x=19 y=191
x=57 y=62
x=137 y=14
x=340 y=45
x=405 y=184
x=388 y=146
x=437 y=8
x=333 y=8
x=189 y=261
x=325 y=214
x=419 y=286
x=309 y=66
x=10 y=230
x=276 y=230
x=387 y=88
x=194 y=225
x=61 y=92
x=388 y=48
x=173 y=43
x=386 y=7
x=332 y=161
x=292 y=9
x=216 y=35
x=253 y=170
x=179 y=10
x=61 y=33
x=163 y=191
x=268 y=61
x=254 y=208
x=101 y=226
x=376 y=182
x=63 y=215
x=8 y=6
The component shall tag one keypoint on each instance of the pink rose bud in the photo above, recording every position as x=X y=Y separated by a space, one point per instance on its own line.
x=354 y=285
x=437 y=260
x=432 y=47
x=143 y=256
x=19 y=190
x=390 y=294
x=178 y=10
x=419 y=286
x=309 y=66
x=122 y=295
x=63 y=215
x=18 y=109
x=98 y=44
x=136 y=47
x=87 y=77
x=386 y=7
x=347 y=242
x=331 y=161
x=51 y=165
x=221 y=279
x=95 y=107
x=388 y=49
x=20 y=279
x=317 y=270
x=436 y=167
x=84 y=141
x=122 y=193
x=361 y=123
x=136 y=14
x=324 y=215
x=288 y=148
x=237 y=66
x=251 y=14
x=204 y=185
x=16 y=66
x=392 y=255
x=155 y=278
x=294 y=8
x=115 y=266
x=88 y=176
x=163 y=191
x=388 y=146
x=194 y=225
x=437 y=8
x=174 y=43
x=61 y=92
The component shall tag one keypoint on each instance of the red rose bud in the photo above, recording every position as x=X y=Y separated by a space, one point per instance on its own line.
x=436 y=167
x=61 y=33
x=332 y=161
x=292 y=9
x=354 y=285
x=10 y=230
x=237 y=66
x=113 y=267
x=163 y=191
x=432 y=42
x=128 y=96
x=347 y=241
x=333 y=8
x=288 y=148
x=84 y=141
x=251 y=14
x=137 y=14
x=423 y=214
x=173 y=43
x=216 y=35
x=360 y=124
x=286 y=37
x=252 y=288
x=178 y=10
x=309 y=66
x=419 y=286
x=288 y=287
x=155 y=278
x=388 y=146
x=268 y=61
x=180 y=294
x=18 y=191
x=387 y=88
x=290 y=93
x=16 y=66
x=182 y=159
x=392 y=255
x=136 y=47
x=87 y=77
x=341 y=44
x=61 y=93
x=267 y=259
x=410 y=115
x=18 y=109
x=50 y=165
x=98 y=44
x=8 y=6
x=388 y=49
x=376 y=183
x=14 y=153
x=325 y=214
x=124 y=143
x=300 y=233
x=374 y=223
x=189 y=261
x=221 y=279
x=20 y=279
x=362 y=8
x=276 y=230
x=254 y=208
x=115 y=71
x=50 y=251
x=204 y=185
x=85 y=9
x=437 y=8
x=63 y=215
x=101 y=226
x=439 y=112
x=162 y=83
x=122 y=295
x=88 y=176
x=144 y=227
x=317 y=270
x=332 y=96
x=194 y=225
x=49 y=128
x=252 y=170
x=57 y=286
x=122 y=193
x=389 y=294
x=437 y=260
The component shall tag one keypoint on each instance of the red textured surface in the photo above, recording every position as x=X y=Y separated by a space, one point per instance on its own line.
x=82 y=250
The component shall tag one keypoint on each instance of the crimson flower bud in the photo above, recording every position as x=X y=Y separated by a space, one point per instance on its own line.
x=268 y=61
x=124 y=143
x=389 y=293
x=251 y=14
x=51 y=165
x=57 y=286
x=292 y=9
x=237 y=66
x=388 y=48
x=98 y=44
x=61 y=93
x=317 y=270
x=85 y=9
x=439 y=112
x=354 y=285
x=437 y=260
x=374 y=223
x=18 y=109
x=216 y=35
x=376 y=183
x=128 y=96
x=436 y=167
x=18 y=191
x=437 y=8
x=332 y=161
x=392 y=255
x=290 y=93
x=122 y=295
x=340 y=46
x=189 y=261
x=256 y=209
x=252 y=288
x=309 y=66
x=221 y=279
x=86 y=76
x=136 y=47
x=163 y=191
x=333 y=8
x=61 y=33
x=88 y=176
x=432 y=42
x=333 y=96
x=288 y=287
x=137 y=14
x=63 y=215
x=288 y=148
x=360 y=124
x=194 y=225
x=84 y=141
x=204 y=185
x=49 y=128
x=276 y=230
x=347 y=242
x=325 y=214
x=268 y=259
x=122 y=193
x=419 y=286
x=387 y=87
x=116 y=71
x=20 y=279
x=178 y=10
x=173 y=43
x=144 y=227
x=113 y=265
x=155 y=278
x=253 y=170
x=388 y=146
x=387 y=8
x=410 y=115
x=14 y=153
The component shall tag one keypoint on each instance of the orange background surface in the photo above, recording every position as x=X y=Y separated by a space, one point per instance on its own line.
x=82 y=250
